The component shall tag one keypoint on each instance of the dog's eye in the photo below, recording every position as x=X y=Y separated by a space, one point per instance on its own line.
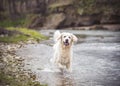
x=69 y=37
x=64 y=36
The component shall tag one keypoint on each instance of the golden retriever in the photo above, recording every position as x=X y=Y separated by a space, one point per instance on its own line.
x=63 y=49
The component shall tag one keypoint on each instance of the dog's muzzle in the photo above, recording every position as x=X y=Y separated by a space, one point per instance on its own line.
x=66 y=43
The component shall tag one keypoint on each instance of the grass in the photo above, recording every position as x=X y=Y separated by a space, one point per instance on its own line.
x=11 y=23
x=26 y=35
x=23 y=22
x=14 y=39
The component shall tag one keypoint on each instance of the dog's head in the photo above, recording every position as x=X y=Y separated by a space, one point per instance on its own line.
x=67 y=39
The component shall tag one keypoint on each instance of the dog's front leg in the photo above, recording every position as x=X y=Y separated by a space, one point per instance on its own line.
x=68 y=66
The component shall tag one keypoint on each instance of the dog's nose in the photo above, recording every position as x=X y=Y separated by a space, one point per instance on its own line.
x=66 y=40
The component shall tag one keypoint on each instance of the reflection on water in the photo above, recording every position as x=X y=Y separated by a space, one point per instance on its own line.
x=64 y=79
x=55 y=78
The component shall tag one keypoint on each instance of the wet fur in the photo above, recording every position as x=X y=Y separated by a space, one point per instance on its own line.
x=63 y=54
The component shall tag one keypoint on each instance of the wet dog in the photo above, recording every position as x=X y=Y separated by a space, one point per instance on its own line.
x=63 y=49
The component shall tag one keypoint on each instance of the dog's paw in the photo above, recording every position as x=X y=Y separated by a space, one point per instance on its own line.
x=69 y=70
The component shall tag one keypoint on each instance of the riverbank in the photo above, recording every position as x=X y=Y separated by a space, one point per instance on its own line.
x=16 y=35
x=12 y=71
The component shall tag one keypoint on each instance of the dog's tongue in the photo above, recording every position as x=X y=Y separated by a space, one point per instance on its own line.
x=66 y=44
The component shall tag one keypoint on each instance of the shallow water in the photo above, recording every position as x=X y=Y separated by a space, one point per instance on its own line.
x=96 y=60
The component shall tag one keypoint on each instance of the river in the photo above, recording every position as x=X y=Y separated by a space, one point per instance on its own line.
x=96 y=59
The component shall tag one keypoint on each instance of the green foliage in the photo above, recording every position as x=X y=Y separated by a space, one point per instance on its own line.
x=84 y=6
x=11 y=23
x=13 y=39
x=32 y=33
x=95 y=6
x=21 y=22
x=26 y=35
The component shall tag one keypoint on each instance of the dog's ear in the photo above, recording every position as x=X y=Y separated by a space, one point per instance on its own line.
x=59 y=37
x=74 y=38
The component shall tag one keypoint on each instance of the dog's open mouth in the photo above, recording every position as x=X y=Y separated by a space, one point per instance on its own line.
x=66 y=43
